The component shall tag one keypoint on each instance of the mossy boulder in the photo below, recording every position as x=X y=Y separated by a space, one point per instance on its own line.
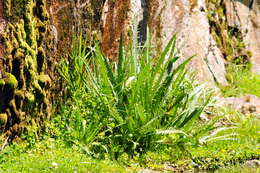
x=3 y=120
x=30 y=97
x=10 y=81
x=2 y=83
x=44 y=80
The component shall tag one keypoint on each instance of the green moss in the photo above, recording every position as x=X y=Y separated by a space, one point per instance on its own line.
x=10 y=81
x=228 y=38
x=19 y=93
x=27 y=46
x=31 y=25
x=43 y=79
x=9 y=39
x=40 y=59
x=19 y=54
x=3 y=119
x=26 y=39
x=9 y=47
x=30 y=97
x=2 y=83
x=40 y=93
x=21 y=34
x=30 y=65
x=42 y=10
x=7 y=7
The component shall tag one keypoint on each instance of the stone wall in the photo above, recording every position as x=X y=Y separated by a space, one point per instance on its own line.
x=36 y=34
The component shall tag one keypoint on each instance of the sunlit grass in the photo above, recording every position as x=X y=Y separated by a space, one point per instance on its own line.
x=50 y=156
x=241 y=81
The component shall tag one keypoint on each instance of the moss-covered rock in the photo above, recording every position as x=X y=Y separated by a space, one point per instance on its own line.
x=7 y=7
x=11 y=81
x=30 y=97
x=25 y=39
x=2 y=83
x=43 y=80
x=228 y=38
x=3 y=120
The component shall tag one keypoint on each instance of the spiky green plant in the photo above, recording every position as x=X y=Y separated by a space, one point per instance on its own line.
x=134 y=104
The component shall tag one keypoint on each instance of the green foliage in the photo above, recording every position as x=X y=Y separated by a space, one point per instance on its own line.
x=139 y=103
x=216 y=154
x=11 y=81
x=241 y=81
x=248 y=126
x=245 y=145
x=52 y=156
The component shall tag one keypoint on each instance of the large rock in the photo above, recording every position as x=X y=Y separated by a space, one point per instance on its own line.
x=188 y=19
x=115 y=23
x=247 y=104
x=35 y=34
x=245 y=15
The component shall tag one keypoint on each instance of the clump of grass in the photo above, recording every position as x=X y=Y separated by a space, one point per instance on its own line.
x=137 y=104
x=241 y=81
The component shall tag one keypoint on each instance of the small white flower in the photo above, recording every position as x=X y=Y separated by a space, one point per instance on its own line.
x=129 y=81
x=54 y=165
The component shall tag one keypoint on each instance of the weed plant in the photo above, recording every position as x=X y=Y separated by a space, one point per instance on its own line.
x=136 y=104
x=241 y=81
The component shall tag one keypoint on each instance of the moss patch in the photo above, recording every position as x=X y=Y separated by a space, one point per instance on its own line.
x=26 y=70
x=2 y=83
x=10 y=81
x=3 y=120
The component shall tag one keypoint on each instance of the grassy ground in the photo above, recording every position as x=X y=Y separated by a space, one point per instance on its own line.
x=241 y=81
x=134 y=115
x=54 y=155
x=51 y=156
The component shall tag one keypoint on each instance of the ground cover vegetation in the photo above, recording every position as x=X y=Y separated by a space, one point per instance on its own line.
x=241 y=81
x=140 y=112
x=49 y=152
